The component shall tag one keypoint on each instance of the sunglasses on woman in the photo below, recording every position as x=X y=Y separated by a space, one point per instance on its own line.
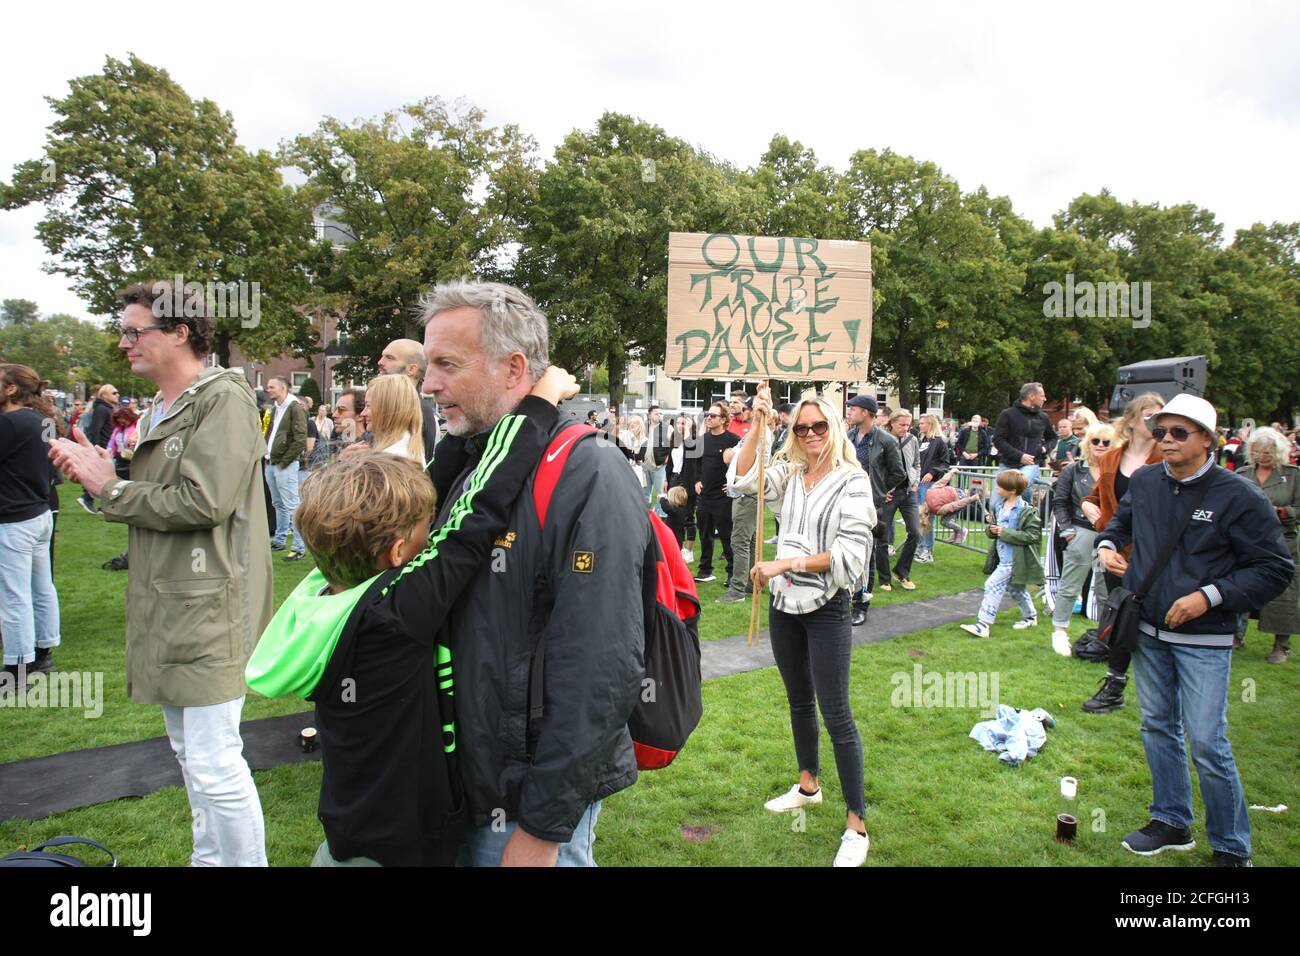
x=1105 y=442
x=1178 y=433
x=817 y=428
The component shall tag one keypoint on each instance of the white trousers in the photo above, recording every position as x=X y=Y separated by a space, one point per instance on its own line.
x=226 y=811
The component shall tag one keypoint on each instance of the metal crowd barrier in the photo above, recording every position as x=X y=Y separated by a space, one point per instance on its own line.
x=968 y=479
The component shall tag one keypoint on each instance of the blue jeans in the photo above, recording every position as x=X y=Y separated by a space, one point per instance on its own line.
x=484 y=845
x=283 y=483
x=29 y=605
x=1186 y=688
x=927 y=538
x=654 y=483
x=1030 y=471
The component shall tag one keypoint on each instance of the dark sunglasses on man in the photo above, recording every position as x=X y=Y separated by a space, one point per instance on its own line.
x=1103 y=442
x=1177 y=432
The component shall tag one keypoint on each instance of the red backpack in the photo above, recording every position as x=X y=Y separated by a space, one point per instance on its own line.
x=672 y=702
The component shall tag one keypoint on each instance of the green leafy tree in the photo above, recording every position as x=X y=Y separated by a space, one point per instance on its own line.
x=141 y=183
x=309 y=389
x=69 y=351
x=18 y=312
x=1176 y=250
x=595 y=238
x=426 y=193
x=943 y=277
x=790 y=194
x=1257 y=344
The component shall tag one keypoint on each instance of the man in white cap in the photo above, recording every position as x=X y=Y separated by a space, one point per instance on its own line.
x=1228 y=557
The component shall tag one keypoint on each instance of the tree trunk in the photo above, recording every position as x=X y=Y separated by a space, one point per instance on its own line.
x=903 y=367
x=922 y=391
x=616 y=365
x=222 y=342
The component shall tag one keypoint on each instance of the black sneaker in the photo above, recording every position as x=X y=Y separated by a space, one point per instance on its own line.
x=293 y=556
x=15 y=680
x=44 y=662
x=705 y=578
x=280 y=546
x=1230 y=859
x=88 y=506
x=1109 y=697
x=860 y=614
x=1156 y=837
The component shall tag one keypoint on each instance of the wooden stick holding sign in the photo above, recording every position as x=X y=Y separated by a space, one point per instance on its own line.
x=756 y=608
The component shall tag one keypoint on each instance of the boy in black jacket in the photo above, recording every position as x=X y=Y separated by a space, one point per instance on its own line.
x=359 y=636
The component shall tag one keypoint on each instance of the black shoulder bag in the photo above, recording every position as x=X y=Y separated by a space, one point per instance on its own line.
x=1118 y=622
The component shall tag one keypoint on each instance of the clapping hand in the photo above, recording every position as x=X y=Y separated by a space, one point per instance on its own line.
x=88 y=465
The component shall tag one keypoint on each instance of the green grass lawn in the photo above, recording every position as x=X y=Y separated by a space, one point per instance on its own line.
x=934 y=797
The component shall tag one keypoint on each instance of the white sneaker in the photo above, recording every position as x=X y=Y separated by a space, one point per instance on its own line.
x=772 y=540
x=1025 y=623
x=793 y=801
x=853 y=849
x=977 y=629
x=688 y=555
x=1061 y=643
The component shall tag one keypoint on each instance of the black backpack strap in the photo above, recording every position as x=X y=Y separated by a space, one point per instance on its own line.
x=1167 y=551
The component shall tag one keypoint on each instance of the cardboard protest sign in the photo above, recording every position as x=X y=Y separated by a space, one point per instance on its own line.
x=758 y=307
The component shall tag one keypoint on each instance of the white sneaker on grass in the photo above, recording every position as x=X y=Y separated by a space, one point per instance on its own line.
x=978 y=629
x=1025 y=623
x=687 y=555
x=853 y=849
x=793 y=800
x=1061 y=643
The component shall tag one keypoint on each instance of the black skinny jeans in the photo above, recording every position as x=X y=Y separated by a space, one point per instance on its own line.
x=812 y=653
x=713 y=516
x=1119 y=658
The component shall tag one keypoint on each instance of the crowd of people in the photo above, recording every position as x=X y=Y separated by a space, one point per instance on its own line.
x=402 y=516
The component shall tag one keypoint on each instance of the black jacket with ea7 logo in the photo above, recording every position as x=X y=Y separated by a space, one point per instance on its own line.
x=578 y=582
x=1233 y=546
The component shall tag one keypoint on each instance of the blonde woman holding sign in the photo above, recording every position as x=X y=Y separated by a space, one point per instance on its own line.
x=823 y=499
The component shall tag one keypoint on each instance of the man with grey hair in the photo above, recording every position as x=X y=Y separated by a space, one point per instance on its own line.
x=1020 y=435
x=548 y=643
x=406 y=357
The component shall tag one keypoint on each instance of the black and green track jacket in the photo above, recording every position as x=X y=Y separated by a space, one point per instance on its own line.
x=382 y=680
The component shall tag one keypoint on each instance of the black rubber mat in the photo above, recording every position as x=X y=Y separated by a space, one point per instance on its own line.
x=32 y=789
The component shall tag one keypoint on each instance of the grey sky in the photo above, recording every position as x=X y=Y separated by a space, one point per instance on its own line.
x=1186 y=102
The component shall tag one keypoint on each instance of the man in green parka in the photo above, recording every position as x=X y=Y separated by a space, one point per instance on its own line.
x=199 y=591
